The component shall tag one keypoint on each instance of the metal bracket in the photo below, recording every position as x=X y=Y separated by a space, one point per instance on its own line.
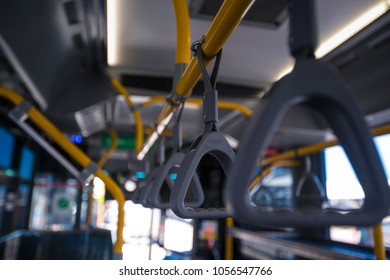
x=88 y=173
x=177 y=137
x=20 y=112
x=178 y=72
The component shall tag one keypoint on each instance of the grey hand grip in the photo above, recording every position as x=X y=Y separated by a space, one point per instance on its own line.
x=316 y=85
x=145 y=192
x=212 y=143
x=155 y=197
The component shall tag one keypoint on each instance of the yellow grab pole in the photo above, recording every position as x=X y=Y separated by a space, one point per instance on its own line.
x=71 y=149
x=139 y=131
x=153 y=100
x=379 y=247
x=315 y=148
x=114 y=144
x=116 y=192
x=82 y=159
x=224 y=23
x=224 y=105
x=100 y=163
x=229 y=239
x=183 y=55
x=183 y=31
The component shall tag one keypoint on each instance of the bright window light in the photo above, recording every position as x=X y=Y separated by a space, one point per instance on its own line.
x=99 y=188
x=130 y=185
x=341 y=179
x=113 y=9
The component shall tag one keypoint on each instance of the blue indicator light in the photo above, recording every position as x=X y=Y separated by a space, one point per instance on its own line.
x=140 y=175
x=76 y=138
x=173 y=176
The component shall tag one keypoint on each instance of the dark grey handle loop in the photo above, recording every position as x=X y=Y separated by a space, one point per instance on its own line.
x=212 y=143
x=154 y=196
x=315 y=85
x=147 y=186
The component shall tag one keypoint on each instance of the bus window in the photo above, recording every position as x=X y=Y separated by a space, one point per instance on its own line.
x=26 y=164
x=174 y=242
x=345 y=192
x=7 y=141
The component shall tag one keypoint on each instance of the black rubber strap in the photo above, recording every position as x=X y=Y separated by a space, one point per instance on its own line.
x=210 y=95
x=210 y=82
x=177 y=132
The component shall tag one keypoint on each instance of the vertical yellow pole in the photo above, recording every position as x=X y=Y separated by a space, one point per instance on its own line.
x=229 y=239
x=114 y=144
x=183 y=32
x=379 y=246
x=223 y=25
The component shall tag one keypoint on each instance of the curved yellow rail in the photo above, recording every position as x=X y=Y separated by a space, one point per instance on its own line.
x=223 y=25
x=114 y=144
x=315 y=148
x=224 y=105
x=183 y=41
x=54 y=133
x=137 y=116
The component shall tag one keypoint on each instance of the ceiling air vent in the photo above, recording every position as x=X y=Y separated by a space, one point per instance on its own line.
x=263 y=13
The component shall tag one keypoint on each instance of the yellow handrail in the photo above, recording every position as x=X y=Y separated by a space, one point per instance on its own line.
x=229 y=239
x=52 y=131
x=224 y=105
x=153 y=100
x=379 y=246
x=183 y=41
x=101 y=163
x=315 y=148
x=223 y=25
x=114 y=144
x=139 y=131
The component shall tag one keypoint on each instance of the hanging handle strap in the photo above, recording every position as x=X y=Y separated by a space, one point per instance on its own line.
x=210 y=95
x=177 y=140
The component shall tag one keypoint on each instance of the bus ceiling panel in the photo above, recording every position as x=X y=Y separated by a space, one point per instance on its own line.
x=48 y=43
x=81 y=91
x=365 y=67
x=301 y=126
x=160 y=85
x=254 y=55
